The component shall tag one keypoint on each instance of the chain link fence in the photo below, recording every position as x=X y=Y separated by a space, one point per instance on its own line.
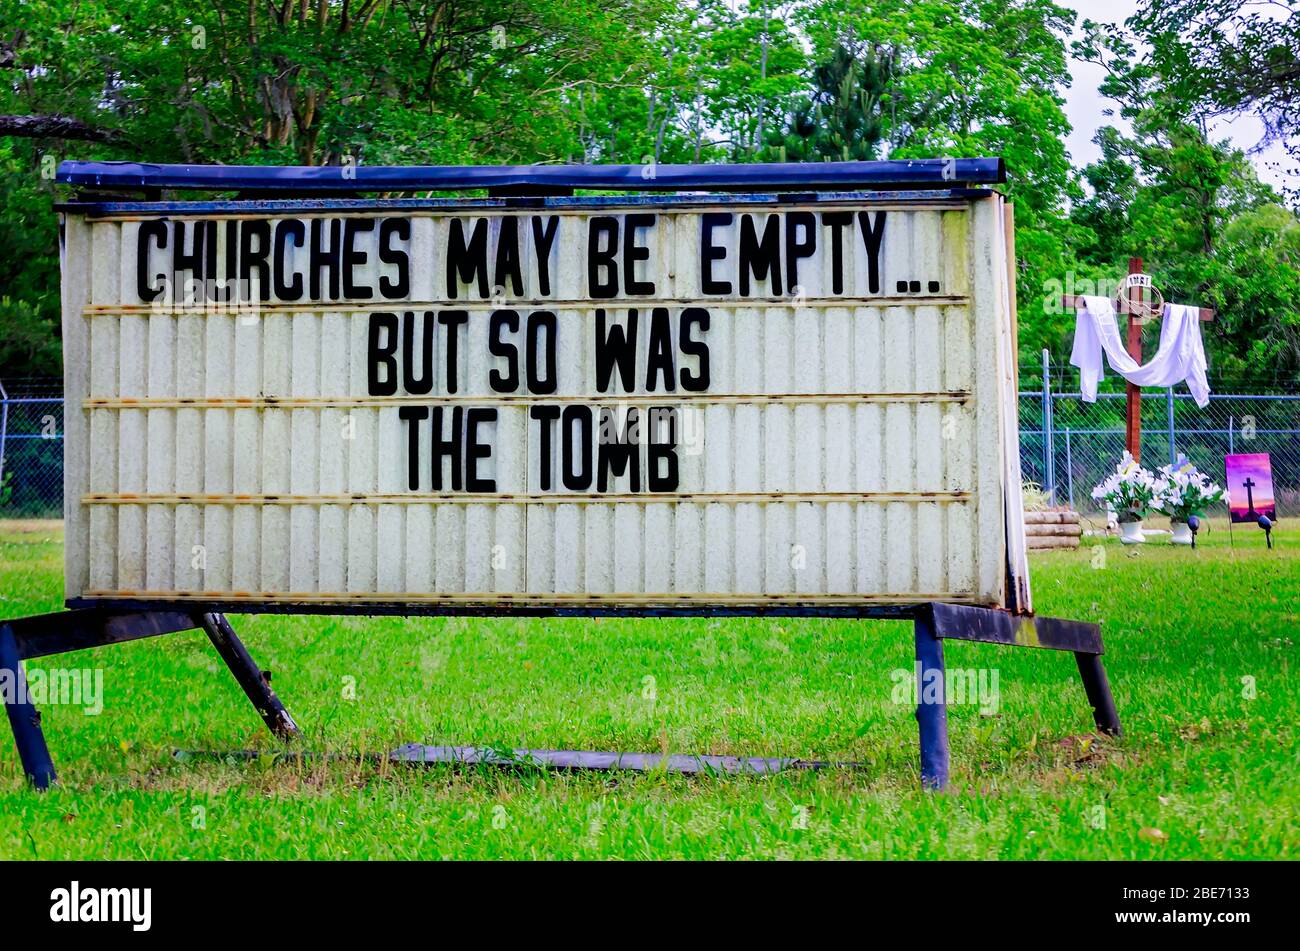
x=31 y=449
x=1066 y=445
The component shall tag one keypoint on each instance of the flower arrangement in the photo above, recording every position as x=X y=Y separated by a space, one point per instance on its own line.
x=1183 y=490
x=1130 y=490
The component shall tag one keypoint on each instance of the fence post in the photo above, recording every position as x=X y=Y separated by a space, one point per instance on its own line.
x=4 y=430
x=1169 y=413
x=1049 y=473
x=1230 y=419
x=1069 y=469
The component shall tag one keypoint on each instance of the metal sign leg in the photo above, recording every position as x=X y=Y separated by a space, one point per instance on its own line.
x=23 y=717
x=27 y=638
x=1097 y=687
x=255 y=683
x=42 y=635
x=931 y=704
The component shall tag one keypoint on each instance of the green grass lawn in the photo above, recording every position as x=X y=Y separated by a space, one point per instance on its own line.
x=1207 y=769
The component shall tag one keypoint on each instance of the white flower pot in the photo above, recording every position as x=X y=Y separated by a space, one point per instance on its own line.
x=1130 y=533
x=1182 y=532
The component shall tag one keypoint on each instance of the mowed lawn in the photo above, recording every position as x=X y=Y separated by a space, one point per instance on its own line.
x=1201 y=652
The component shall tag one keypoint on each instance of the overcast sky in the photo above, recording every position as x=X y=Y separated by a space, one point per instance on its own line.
x=1085 y=107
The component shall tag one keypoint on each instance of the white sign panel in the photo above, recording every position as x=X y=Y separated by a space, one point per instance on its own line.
x=689 y=404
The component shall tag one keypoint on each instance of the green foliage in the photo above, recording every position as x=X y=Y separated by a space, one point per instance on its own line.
x=962 y=79
x=525 y=81
x=419 y=82
x=29 y=264
x=27 y=344
x=843 y=119
x=1209 y=232
x=1234 y=57
x=1258 y=291
x=312 y=83
x=717 y=81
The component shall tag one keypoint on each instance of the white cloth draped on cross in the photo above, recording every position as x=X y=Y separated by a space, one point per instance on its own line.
x=1181 y=355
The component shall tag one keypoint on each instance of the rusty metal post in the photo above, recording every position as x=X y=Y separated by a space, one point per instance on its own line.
x=255 y=683
x=931 y=703
x=24 y=718
x=1049 y=424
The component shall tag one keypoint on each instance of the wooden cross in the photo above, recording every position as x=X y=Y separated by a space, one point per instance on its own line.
x=1133 y=403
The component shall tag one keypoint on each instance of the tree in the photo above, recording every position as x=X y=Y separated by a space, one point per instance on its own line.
x=649 y=81
x=1258 y=294
x=1231 y=56
x=267 y=82
x=1106 y=228
x=844 y=118
x=310 y=83
x=1208 y=230
x=749 y=94
x=962 y=78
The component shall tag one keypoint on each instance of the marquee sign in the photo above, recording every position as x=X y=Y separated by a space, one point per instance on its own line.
x=678 y=403
x=674 y=403
x=537 y=403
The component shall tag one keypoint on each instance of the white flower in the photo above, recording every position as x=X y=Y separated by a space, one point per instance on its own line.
x=1129 y=489
x=1183 y=490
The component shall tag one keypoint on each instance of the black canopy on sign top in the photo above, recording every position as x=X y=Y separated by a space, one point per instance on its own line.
x=543 y=179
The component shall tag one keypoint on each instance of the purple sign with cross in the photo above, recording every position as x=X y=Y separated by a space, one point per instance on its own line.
x=1250 y=484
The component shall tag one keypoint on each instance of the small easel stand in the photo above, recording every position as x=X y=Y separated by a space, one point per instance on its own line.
x=1134 y=302
x=81 y=628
